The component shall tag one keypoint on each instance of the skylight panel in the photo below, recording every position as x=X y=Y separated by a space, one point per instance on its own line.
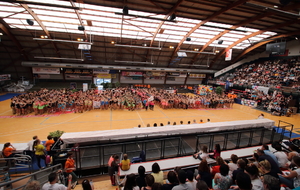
x=229 y=39
x=55 y=13
x=22 y=16
x=52 y=24
x=40 y=7
x=10 y=9
x=246 y=29
x=206 y=31
x=13 y=21
x=236 y=36
x=175 y=33
x=59 y=20
x=55 y=2
x=8 y=4
x=214 y=24
x=211 y=28
x=102 y=8
x=203 y=36
x=5 y=14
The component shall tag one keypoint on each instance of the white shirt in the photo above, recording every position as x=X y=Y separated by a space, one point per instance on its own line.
x=257 y=184
x=30 y=145
x=56 y=186
x=282 y=158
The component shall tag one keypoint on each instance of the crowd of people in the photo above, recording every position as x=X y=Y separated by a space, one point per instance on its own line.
x=51 y=101
x=271 y=73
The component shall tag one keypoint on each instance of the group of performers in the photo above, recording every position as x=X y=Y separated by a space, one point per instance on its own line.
x=51 y=101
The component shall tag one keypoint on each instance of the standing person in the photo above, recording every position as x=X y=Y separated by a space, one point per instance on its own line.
x=125 y=163
x=113 y=169
x=70 y=168
x=49 y=143
x=39 y=152
x=30 y=147
x=157 y=174
x=52 y=183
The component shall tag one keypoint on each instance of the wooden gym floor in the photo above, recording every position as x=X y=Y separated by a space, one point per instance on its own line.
x=21 y=129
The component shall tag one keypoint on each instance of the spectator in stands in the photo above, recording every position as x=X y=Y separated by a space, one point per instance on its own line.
x=202 y=154
x=52 y=184
x=217 y=152
x=149 y=181
x=140 y=180
x=191 y=183
x=208 y=120
x=264 y=168
x=125 y=163
x=216 y=169
x=266 y=150
x=263 y=156
x=39 y=152
x=294 y=152
x=8 y=150
x=222 y=180
x=130 y=183
x=157 y=174
x=33 y=185
x=292 y=180
x=280 y=155
x=161 y=124
x=155 y=125
x=204 y=173
x=182 y=179
x=87 y=185
x=201 y=185
x=241 y=167
x=201 y=121
x=49 y=143
x=174 y=123
x=156 y=186
x=233 y=164
x=271 y=183
x=243 y=181
x=70 y=167
x=171 y=181
x=252 y=171
x=113 y=168
x=181 y=122
x=255 y=157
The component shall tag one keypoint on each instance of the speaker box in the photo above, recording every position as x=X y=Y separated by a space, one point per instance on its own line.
x=188 y=39
x=220 y=42
x=125 y=10
x=81 y=28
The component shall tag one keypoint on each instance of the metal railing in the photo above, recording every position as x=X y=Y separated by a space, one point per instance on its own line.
x=18 y=162
x=40 y=176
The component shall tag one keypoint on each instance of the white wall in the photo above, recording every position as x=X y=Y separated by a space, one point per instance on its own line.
x=293 y=47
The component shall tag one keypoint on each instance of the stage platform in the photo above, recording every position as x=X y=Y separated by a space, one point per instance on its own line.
x=168 y=130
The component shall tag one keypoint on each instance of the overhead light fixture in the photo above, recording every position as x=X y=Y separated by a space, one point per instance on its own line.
x=189 y=51
x=272 y=9
x=138 y=62
x=44 y=37
x=66 y=41
x=30 y=22
x=196 y=49
x=171 y=47
x=296 y=38
x=80 y=39
x=217 y=51
x=142 y=47
x=112 y=42
x=172 y=17
x=59 y=58
x=1 y=34
x=146 y=17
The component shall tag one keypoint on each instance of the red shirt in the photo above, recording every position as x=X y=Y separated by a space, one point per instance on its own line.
x=70 y=163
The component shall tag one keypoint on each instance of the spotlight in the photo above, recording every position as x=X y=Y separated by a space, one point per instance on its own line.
x=220 y=42
x=196 y=49
x=30 y=22
x=172 y=17
x=217 y=51
x=296 y=38
x=81 y=28
x=188 y=39
x=145 y=45
x=171 y=47
x=112 y=42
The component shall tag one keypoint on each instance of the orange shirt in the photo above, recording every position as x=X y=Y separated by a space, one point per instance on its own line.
x=70 y=163
x=7 y=151
x=48 y=144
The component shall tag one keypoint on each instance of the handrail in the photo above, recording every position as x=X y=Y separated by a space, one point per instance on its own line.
x=39 y=176
x=21 y=161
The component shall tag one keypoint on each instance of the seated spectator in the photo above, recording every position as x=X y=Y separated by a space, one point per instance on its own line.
x=125 y=163
x=204 y=173
x=216 y=169
x=202 y=154
x=217 y=152
x=256 y=182
x=222 y=180
x=33 y=185
x=52 y=182
x=271 y=183
x=157 y=174
x=191 y=183
x=233 y=164
x=156 y=186
x=87 y=185
x=280 y=155
x=201 y=185
x=292 y=180
x=182 y=179
x=243 y=181
x=140 y=180
x=264 y=168
x=241 y=167
x=7 y=150
x=171 y=181
x=130 y=183
x=294 y=152
x=149 y=181
x=274 y=165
